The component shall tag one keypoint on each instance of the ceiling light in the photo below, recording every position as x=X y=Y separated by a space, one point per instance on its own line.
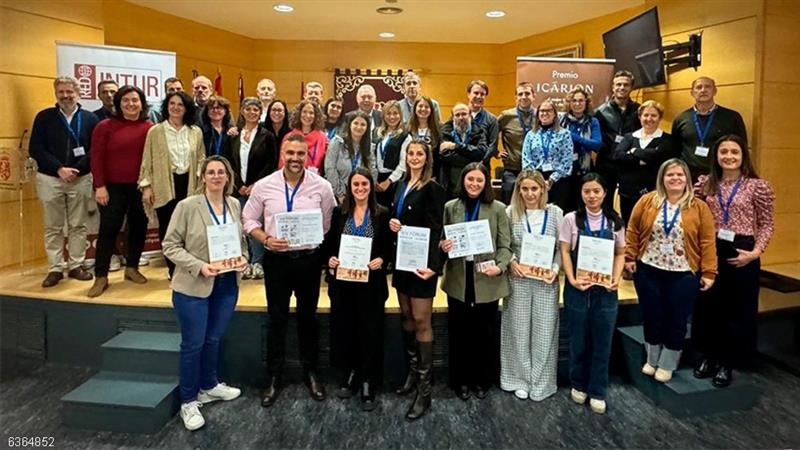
x=386 y=35
x=283 y=8
x=495 y=14
x=389 y=10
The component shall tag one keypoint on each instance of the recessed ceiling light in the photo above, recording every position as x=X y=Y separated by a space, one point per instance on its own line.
x=386 y=35
x=283 y=8
x=389 y=10
x=495 y=14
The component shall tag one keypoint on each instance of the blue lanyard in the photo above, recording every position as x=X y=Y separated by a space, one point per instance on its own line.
x=544 y=223
x=457 y=135
x=331 y=133
x=224 y=210
x=69 y=128
x=726 y=208
x=401 y=199
x=313 y=155
x=669 y=226
x=547 y=139
x=361 y=229
x=702 y=134
x=469 y=216
x=589 y=229
x=383 y=145
x=217 y=141
x=290 y=200
x=525 y=126
x=356 y=160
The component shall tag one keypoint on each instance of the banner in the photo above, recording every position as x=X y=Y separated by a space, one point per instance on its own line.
x=553 y=78
x=90 y=64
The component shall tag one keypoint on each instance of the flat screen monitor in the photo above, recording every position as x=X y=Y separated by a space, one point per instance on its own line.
x=636 y=46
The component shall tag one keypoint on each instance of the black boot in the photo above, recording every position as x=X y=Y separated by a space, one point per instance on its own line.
x=706 y=369
x=347 y=385
x=422 y=401
x=410 y=344
x=723 y=377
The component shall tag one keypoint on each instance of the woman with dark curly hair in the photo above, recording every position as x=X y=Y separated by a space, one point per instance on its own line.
x=307 y=120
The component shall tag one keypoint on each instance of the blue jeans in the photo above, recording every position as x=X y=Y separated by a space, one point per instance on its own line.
x=203 y=322
x=666 y=299
x=256 y=248
x=591 y=317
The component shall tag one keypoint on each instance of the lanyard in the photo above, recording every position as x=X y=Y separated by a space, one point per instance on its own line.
x=726 y=208
x=356 y=160
x=331 y=133
x=469 y=216
x=69 y=128
x=702 y=134
x=401 y=199
x=217 y=141
x=313 y=155
x=669 y=226
x=525 y=126
x=457 y=135
x=602 y=225
x=361 y=229
x=290 y=200
x=544 y=223
x=224 y=211
x=382 y=149
x=547 y=139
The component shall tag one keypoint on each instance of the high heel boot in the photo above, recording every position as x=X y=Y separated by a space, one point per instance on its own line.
x=422 y=401
x=410 y=344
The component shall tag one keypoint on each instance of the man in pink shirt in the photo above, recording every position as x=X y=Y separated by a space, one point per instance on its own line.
x=290 y=270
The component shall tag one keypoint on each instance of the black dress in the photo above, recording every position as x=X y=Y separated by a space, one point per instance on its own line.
x=423 y=207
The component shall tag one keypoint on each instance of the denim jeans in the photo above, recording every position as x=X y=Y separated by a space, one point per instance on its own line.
x=666 y=299
x=203 y=322
x=256 y=248
x=591 y=317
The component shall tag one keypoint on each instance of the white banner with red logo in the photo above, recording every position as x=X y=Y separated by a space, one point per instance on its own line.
x=90 y=64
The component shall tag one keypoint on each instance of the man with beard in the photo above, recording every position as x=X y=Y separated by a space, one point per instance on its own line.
x=463 y=142
x=514 y=124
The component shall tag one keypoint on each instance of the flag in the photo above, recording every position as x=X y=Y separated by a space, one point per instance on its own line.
x=218 y=83
x=241 y=88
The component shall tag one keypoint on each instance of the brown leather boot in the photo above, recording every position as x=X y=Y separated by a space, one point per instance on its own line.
x=133 y=274
x=100 y=285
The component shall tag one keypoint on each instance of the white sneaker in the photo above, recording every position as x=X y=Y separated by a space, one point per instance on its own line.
x=598 y=406
x=648 y=370
x=577 y=396
x=258 y=271
x=521 y=394
x=115 y=264
x=663 y=375
x=190 y=413
x=248 y=272
x=144 y=261
x=219 y=392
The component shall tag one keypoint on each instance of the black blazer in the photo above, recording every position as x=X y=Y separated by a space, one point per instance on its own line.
x=638 y=167
x=454 y=160
x=423 y=207
x=260 y=162
x=381 y=248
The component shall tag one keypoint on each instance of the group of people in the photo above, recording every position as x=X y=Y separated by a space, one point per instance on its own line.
x=695 y=219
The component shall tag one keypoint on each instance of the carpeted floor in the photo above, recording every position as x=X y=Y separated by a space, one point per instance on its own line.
x=30 y=393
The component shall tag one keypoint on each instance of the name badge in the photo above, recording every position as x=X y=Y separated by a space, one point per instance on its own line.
x=574 y=156
x=701 y=151
x=79 y=151
x=547 y=167
x=618 y=138
x=726 y=235
x=483 y=265
x=667 y=249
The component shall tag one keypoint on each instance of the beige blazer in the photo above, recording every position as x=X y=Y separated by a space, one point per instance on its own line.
x=156 y=170
x=187 y=246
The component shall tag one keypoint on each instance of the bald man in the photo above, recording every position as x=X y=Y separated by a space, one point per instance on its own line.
x=266 y=92
x=463 y=142
x=202 y=90
x=695 y=130
x=367 y=99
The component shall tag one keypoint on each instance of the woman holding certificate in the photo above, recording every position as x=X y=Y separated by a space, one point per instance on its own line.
x=671 y=252
x=203 y=237
x=474 y=279
x=417 y=219
x=592 y=242
x=724 y=320
x=529 y=330
x=357 y=248
x=348 y=151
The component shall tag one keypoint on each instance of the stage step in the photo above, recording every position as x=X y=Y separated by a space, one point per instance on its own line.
x=684 y=395
x=123 y=402
x=150 y=352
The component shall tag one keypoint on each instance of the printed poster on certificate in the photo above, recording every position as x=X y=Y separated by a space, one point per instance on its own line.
x=354 y=254
x=595 y=260
x=536 y=256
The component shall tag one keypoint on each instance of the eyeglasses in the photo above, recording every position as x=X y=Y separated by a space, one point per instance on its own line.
x=546 y=111
x=216 y=108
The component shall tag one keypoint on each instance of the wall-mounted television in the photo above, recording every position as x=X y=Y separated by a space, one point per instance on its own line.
x=636 y=46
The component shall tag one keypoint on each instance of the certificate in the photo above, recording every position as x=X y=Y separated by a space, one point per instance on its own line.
x=300 y=228
x=595 y=260
x=412 y=248
x=470 y=238
x=354 y=254
x=536 y=255
x=224 y=246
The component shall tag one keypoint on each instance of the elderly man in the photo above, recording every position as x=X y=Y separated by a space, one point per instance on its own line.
x=266 y=92
x=514 y=124
x=412 y=86
x=60 y=144
x=695 y=130
x=477 y=91
x=202 y=89
x=105 y=92
x=313 y=91
x=463 y=142
x=366 y=98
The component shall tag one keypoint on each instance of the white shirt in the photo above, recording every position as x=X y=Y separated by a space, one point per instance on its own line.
x=244 y=152
x=644 y=140
x=178 y=146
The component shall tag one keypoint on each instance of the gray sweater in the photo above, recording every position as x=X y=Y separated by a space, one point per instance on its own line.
x=338 y=165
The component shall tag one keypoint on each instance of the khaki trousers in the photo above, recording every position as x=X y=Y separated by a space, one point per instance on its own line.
x=64 y=204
